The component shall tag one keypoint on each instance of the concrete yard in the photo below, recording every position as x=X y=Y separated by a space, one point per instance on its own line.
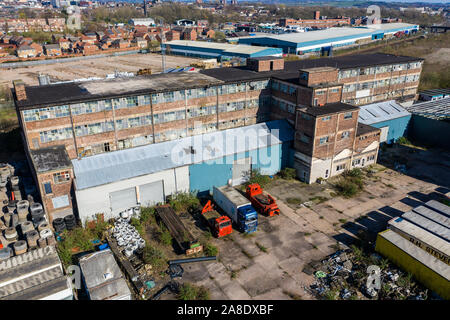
x=268 y=265
x=97 y=67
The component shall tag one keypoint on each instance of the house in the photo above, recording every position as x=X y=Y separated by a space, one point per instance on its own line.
x=25 y=51
x=38 y=48
x=64 y=44
x=52 y=50
x=92 y=38
x=173 y=35
x=120 y=44
x=88 y=48
x=139 y=42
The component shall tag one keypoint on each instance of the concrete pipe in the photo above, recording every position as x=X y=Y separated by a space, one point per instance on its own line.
x=43 y=226
x=32 y=237
x=7 y=218
x=11 y=234
x=17 y=194
x=42 y=242
x=26 y=226
x=23 y=216
x=20 y=247
x=25 y=203
x=14 y=220
x=5 y=253
x=14 y=180
x=51 y=240
x=46 y=233
x=35 y=206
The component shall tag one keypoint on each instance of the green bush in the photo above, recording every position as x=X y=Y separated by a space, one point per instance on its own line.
x=257 y=177
x=403 y=140
x=154 y=256
x=164 y=236
x=288 y=173
x=138 y=225
x=350 y=183
x=191 y=292
x=210 y=250
x=182 y=202
x=147 y=214
x=347 y=188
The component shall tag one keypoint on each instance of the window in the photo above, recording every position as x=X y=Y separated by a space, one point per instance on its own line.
x=320 y=92
x=345 y=134
x=326 y=118
x=306 y=116
x=371 y=158
x=348 y=115
x=304 y=138
x=340 y=167
x=48 y=188
x=334 y=90
x=106 y=146
x=323 y=140
x=61 y=177
x=356 y=162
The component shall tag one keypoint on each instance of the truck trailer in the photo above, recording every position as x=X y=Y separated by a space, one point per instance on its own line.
x=261 y=201
x=237 y=207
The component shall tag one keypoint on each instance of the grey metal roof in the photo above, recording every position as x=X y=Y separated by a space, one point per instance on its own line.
x=435 y=92
x=381 y=111
x=103 y=277
x=439 y=109
x=32 y=275
x=124 y=164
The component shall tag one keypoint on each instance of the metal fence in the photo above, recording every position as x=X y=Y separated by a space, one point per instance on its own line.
x=62 y=60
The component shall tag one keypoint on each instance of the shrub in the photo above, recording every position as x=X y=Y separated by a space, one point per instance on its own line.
x=191 y=292
x=138 y=225
x=153 y=256
x=147 y=214
x=184 y=201
x=403 y=140
x=210 y=250
x=288 y=173
x=257 y=177
x=164 y=236
x=347 y=188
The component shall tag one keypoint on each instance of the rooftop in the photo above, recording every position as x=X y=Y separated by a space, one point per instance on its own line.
x=436 y=92
x=49 y=159
x=363 y=129
x=124 y=164
x=381 y=111
x=225 y=47
x=331 y=108
x=438 y=109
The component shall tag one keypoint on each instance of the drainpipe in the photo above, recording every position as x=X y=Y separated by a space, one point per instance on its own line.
x=73 y=132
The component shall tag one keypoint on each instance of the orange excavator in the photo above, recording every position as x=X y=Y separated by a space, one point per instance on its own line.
x=220 y=225
x=261 y=201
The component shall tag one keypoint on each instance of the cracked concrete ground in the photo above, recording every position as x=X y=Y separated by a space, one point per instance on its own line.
x=268 y=264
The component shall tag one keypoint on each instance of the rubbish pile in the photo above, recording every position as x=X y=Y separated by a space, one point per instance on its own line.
x=344 y=276
x=126 y=235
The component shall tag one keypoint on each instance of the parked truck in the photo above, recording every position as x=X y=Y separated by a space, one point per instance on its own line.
x=237 y=207
x=220 y=225
x=261 y=201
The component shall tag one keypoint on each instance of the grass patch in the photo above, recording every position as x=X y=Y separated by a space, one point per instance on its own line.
x=261 y=247
x=233 y=274
x=294 y=200
x=183 y=202
x=210 y=250
x=288 y=173
x=154 y=257
x=164 y=236
x=307 y=234
x=342 y=220
x=350 y=183
x=318 y=199
x=190 y=291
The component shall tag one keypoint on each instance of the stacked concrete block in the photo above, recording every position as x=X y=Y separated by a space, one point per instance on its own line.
x=20 y=247
x=32 y=237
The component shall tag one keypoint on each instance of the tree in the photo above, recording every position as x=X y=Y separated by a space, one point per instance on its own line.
x=219 y=36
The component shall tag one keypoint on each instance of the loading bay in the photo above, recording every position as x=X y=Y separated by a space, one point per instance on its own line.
x=269 y=264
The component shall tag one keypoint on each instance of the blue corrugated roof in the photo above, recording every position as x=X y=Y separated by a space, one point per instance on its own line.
x=381 y=111
x=124 y=164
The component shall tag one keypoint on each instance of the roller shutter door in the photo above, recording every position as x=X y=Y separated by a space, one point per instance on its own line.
x=241 y=170
x=123 y=199
x=151 y=193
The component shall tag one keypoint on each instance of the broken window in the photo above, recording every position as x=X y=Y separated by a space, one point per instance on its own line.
x=61 y=177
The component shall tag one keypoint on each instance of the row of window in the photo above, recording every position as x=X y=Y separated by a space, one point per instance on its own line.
x=279 y=86
x=332 y=90
x=128 y=102
x=379 y=69
x=285 y=106
x=380 y=83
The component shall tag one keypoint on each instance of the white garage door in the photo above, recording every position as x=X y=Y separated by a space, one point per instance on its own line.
x=241 y=170
x=123 y=199
x=384 y=134
x=151 y=193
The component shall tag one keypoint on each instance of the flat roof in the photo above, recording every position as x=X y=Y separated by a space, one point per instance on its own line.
x=225 y=47
x=435 y=92
x=51 y=158
x=129 y=163
x=79 y=91
x=330 y=108
x=381 y=111
x=335 y=33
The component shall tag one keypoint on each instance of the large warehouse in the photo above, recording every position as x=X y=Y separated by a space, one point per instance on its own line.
x=113 y=182
x=221 y=51
x=304 y=42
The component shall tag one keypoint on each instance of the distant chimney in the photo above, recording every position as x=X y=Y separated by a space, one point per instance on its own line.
x=19 y=88
x=317 y=15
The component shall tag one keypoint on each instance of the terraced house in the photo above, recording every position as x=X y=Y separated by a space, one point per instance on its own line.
x=106 y=145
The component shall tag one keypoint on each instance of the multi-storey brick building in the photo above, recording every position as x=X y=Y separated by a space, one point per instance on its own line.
x=99 y=117
x=317 y=22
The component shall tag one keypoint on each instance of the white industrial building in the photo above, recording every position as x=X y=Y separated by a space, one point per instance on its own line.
x=148 y=22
